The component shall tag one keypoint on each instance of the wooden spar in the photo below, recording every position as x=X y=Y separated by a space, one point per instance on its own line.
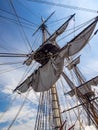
x=79 y=105
x=91 y=110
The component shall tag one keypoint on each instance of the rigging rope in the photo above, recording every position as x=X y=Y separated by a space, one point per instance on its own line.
x=5 y=71
x=20 y=25
x=36 y=122
x=34 y=24
x=10 y=63
x=27 y=25
x=11 y=102
x=52 y=22
x=64 y=6
x=39 y=118
x=37 y=40
x=6 y=46
x=18 y=111
x=71 y=105
x=79 y=105
x=36 y=15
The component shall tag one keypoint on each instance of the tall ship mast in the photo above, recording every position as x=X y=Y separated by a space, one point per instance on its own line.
x=53 y=93
x=55 y=108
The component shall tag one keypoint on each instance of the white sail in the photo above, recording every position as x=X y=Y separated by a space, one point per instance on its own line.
x=42 y=79
x=75 y=45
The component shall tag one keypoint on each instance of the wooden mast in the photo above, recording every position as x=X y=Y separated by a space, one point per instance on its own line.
x=43 y=28
x=56 y=109
x=55 y=102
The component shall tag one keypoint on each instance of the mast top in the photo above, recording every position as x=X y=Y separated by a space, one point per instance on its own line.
x=43 y=23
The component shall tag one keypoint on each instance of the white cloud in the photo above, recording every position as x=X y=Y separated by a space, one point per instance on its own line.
x=26 y=116
x=90 y=128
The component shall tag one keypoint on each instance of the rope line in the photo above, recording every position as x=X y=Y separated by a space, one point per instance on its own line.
x=20 y=25
x=18 y=112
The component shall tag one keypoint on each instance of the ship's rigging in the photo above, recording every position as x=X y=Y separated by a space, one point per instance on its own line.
x=52 y=58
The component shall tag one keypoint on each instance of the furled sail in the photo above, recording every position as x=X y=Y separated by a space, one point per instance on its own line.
x=76 y=44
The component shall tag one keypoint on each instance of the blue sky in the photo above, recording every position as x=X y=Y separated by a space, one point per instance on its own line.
x=12 y=39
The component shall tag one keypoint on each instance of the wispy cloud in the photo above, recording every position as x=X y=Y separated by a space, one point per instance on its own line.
x=25 y=118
